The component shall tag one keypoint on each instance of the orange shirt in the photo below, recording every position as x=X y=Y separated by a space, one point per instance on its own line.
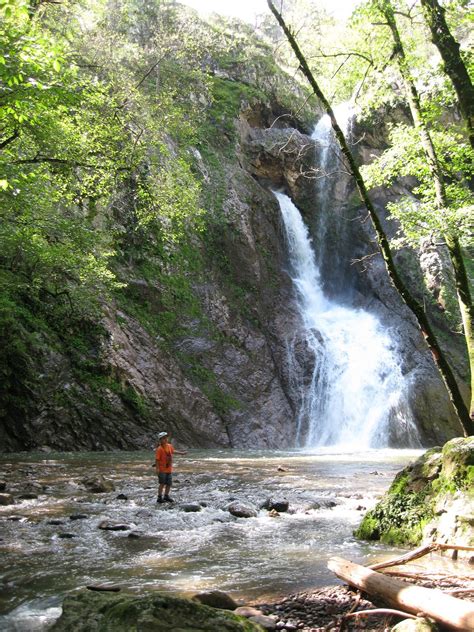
x=164 y=458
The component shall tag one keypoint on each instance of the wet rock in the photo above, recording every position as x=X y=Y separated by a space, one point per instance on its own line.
x=55 y=522
x=242 y=511
x=281 y=505
x=280 y=468
x=98 y=484
x=6 y=499
x=327 y=504
x=267 y=623
x=122 y=497
x=104 y=588
x=67 y=536
x=144 y=513
x=92 y=610
x=3 y=485
x=28 y=496
x=78 y=517
x=216 y=599
x=134 y=535
x=106 y=525
x=190 y=507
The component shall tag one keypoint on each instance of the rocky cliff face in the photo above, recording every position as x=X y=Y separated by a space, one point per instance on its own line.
x=220 y=377
x=431 y=500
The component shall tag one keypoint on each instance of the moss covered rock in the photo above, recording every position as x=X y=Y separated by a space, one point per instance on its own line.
x=431 y=500
x=104 y=612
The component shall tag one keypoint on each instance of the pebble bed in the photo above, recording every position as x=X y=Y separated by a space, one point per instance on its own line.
x=321 y=609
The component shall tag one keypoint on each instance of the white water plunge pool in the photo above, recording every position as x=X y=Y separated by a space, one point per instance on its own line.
x=176 y=551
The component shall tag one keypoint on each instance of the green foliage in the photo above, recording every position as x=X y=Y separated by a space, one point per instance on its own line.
x=418 y=214
x=398 y=518
x=206 y=379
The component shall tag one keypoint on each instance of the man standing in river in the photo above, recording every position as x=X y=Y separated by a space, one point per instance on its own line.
x=164 y=467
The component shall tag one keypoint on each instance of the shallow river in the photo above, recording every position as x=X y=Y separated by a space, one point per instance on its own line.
x=175 y=550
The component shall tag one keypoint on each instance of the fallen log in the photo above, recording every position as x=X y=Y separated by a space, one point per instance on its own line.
x=451 y=611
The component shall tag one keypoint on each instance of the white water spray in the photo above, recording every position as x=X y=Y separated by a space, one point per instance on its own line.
x=356 y=396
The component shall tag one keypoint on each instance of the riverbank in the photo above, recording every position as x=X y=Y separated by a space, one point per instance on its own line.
x=324 y=609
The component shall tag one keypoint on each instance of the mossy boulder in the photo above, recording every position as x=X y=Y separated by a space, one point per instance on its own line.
x=106 y=612
x=431 y=500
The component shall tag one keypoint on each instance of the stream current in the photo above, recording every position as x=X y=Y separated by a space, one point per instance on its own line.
x=175 y=550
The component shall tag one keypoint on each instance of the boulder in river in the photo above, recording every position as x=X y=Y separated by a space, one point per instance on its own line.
x=190 y=507
x=280 y=504
x=106 y=525
x=216 y=599
x=3 y=485
x=78 y=516
x=240 y=510
x=87 y=610
x=430 y=500
x=98 y=484
x=6 y=499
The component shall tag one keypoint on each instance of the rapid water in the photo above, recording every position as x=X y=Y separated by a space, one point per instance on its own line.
x=356 y=396
x=173 y=550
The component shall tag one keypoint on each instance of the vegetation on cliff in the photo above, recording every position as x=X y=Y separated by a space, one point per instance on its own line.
x=115 y=181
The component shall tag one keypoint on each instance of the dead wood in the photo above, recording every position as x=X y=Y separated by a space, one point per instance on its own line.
x=448 y=610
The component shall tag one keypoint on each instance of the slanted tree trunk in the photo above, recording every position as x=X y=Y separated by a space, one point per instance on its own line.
x=453 y=62
x=438 y=356
x=452 y=243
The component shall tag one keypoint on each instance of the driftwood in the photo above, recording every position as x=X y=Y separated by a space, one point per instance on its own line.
x=420 y=552
x=450 y=611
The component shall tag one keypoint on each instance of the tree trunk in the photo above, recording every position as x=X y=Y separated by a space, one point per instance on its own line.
x=453 y=62
x=438 y=356
x=453 y=245
x=448 y=610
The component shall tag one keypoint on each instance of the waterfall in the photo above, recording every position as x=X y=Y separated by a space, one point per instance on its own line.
x=356 y=394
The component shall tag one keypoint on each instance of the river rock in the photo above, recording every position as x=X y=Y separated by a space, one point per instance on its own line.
x=66 y=536
x=415 y=625
x=281 y=505
x=3 y=485
x=242 y=511
x=190 y=507
x=78 y=517
x=98 y=484
x=106 y=525
x=122 y=497
x=6 y=499
x=216 y=599
x=247 y=611
x=28 y=496
x=104 y=588
x=90 y=610
x=267 y=623
x=55 y=522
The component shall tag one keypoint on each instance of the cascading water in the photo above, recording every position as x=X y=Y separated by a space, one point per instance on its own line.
x=356 y=396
